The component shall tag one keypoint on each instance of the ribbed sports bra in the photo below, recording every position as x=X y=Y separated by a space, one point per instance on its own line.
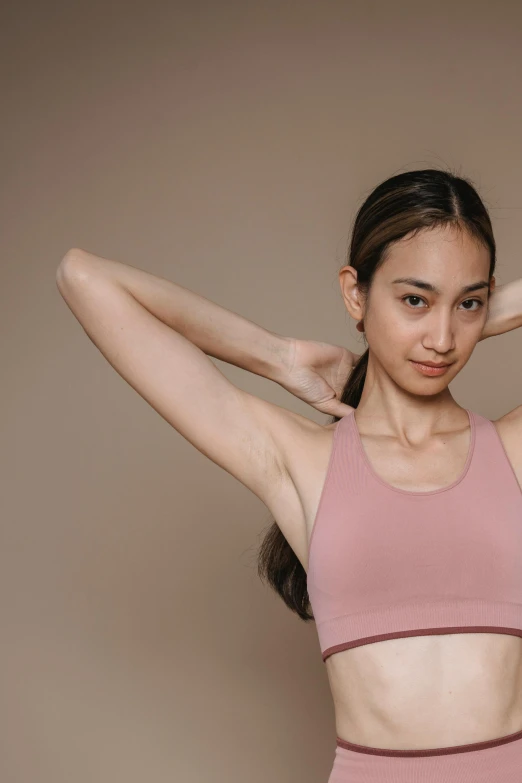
x=386 y=563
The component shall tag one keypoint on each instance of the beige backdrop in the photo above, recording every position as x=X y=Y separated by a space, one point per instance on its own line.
x=227 y=146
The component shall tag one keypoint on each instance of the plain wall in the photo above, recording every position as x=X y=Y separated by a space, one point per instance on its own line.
x=226 y=146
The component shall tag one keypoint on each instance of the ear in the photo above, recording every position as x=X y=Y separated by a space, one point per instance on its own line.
x=353 y=299
x=492 y=284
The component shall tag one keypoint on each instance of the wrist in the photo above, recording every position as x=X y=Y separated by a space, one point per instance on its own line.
x=275 y=360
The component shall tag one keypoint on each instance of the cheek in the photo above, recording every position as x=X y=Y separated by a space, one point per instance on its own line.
x=389 y=329
x=467 y=345
x=392 y=347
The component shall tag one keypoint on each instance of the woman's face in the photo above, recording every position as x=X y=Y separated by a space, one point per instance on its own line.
x=437 y=315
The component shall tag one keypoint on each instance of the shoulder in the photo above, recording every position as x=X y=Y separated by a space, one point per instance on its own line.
x=510 y=424
x=303 y=445
x=305 y=448
x=509 y=428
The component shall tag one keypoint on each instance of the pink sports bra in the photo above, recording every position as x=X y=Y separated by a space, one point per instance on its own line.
x=386 y=563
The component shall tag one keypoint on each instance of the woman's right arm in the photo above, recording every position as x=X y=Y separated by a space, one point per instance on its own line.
x=157 y=334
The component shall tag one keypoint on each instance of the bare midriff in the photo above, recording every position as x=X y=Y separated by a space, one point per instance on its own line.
x=424 y=692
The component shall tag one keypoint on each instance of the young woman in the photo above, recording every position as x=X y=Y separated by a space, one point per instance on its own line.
x=399 y=522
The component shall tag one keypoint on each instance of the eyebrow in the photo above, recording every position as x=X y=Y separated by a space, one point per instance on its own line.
x=430 y=287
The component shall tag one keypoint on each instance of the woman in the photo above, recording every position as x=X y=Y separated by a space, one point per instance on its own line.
x=400 y=521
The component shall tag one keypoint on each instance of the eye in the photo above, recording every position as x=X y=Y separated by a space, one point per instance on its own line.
x=412 y=296
x=478 y=302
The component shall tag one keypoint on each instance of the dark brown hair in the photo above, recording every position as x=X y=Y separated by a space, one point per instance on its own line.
x=405 y=203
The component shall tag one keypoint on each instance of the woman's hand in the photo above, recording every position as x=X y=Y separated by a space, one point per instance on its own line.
x=317 y=374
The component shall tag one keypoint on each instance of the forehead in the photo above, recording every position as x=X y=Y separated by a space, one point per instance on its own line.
x=442 y=255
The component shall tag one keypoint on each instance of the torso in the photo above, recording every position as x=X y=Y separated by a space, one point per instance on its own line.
x=419 y=691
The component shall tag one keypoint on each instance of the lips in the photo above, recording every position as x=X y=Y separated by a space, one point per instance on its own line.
x=430 y=369
x=432 y=364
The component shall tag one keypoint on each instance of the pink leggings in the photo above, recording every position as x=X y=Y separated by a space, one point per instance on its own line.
x=493 y=761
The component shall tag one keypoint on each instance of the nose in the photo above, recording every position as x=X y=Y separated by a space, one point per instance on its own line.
x=439 y=335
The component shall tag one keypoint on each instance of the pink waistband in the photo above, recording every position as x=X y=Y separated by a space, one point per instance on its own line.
x=429 y=751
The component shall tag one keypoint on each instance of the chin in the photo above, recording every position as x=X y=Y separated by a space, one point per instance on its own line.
x=423 y=386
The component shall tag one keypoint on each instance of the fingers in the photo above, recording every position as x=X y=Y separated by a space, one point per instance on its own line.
x=335 y=408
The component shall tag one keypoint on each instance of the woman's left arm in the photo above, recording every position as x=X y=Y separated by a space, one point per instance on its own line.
x=505 y=309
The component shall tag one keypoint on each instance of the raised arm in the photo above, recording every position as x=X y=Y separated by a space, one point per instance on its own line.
x=505 y=314
x=505 y=309
x=147 y=328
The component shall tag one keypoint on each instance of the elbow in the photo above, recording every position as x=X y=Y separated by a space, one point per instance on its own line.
x=70 y=262
x=70 y=269
x=74 y=252
x=71 y=258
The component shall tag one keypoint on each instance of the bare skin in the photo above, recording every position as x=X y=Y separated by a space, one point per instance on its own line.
x=426 y=691
x=416 y=692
